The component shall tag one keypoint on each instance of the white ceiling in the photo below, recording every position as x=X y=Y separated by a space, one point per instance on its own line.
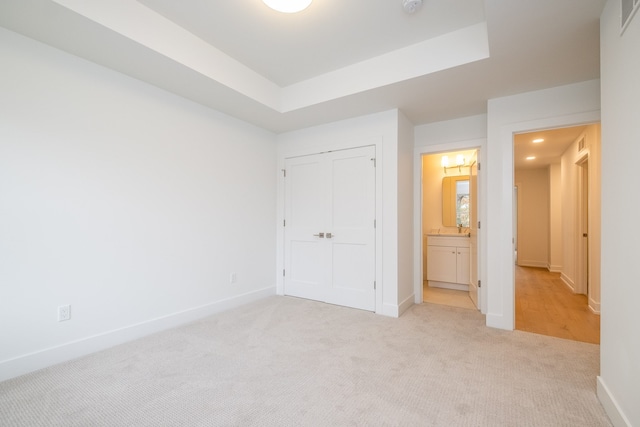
x=335 y=60
x=556 y=142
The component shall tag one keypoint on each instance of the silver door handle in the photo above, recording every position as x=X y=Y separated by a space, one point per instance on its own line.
x=329 y=235
x=320 y=235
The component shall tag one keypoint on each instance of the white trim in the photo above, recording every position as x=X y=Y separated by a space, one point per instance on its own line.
x=554 y=268
x=531 y=263
x=61 y=353
x=594 y=306
x=448 y=285
x=610 y=405
x=567 y=281
x=392 y=310
x=404 y=305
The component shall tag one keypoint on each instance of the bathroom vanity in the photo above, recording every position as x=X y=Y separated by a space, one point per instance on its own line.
x=448 y=260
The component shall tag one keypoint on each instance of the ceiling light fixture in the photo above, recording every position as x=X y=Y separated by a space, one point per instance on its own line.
x=288 y=6
x=411 y=6
x=531 y=158
x=537 y=141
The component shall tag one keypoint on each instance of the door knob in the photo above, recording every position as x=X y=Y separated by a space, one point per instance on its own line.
x=329 y=235
x=320 y=235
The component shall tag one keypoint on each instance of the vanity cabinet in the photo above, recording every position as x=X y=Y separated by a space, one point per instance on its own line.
x=448 y=261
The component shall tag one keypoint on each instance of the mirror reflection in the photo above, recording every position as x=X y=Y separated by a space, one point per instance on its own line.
x=455 y=201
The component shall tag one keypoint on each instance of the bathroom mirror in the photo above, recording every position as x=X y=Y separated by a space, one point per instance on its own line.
x=455 y=201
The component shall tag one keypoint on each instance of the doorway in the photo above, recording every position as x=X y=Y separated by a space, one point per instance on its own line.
x=551 y=217
x=449 y=228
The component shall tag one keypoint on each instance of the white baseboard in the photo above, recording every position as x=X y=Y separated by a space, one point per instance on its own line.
x=611 y=407
x=447 y=285
x=567 y=281
x=554 y=268
x=404 y=305
x=41 y=359
x=532 y=263
x=392 y=310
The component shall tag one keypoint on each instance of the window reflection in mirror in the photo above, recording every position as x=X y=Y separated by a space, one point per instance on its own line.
x=455 y=201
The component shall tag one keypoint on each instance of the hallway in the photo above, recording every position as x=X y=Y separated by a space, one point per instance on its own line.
x=546 y=306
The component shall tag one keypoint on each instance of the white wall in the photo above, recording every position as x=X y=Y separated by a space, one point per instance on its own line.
x=619 y=381
x=382 y=131
x=131 y=204
x=545 y=109
x=555 y=218
x=406 y=137
x=533 y=217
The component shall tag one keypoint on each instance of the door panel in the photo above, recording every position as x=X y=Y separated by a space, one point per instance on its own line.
x=305 y=198
x=342 y=270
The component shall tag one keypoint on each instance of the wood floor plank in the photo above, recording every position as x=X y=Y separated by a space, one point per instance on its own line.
x=546 y=306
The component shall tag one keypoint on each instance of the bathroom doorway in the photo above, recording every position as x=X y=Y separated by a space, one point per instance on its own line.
x=449 y=215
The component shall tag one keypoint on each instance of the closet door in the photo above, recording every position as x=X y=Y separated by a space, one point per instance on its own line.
x=330 y=229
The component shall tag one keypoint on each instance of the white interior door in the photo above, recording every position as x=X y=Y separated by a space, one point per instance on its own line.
x=329 y=227
x=473 y=230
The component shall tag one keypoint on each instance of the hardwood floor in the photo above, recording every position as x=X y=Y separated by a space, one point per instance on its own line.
x=546 y=306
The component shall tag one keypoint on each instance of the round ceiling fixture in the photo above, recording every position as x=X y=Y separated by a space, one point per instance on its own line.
x=410 y=6
x=288 y=6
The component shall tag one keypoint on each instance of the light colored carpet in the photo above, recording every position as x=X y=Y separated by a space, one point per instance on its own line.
x=290 y=362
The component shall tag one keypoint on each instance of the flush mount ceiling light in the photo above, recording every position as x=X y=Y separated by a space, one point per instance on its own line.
x=288 y=6
x=411 y=6
x=538 y=141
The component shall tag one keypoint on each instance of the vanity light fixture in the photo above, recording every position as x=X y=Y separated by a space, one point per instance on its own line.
x=460 y=163
x=288 y=6
x=444 y=162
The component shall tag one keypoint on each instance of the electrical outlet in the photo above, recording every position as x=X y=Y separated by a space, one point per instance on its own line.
x=233 y=278
x=64 y=313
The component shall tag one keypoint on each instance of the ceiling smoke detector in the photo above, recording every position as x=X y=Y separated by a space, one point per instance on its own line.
x=411 y=6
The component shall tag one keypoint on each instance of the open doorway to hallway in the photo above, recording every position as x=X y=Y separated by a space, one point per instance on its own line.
x=557 y=224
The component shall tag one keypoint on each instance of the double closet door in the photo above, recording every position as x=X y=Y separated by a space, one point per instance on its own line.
x=329 y=229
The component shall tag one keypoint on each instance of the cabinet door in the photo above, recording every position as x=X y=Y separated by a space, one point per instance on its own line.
x=463 y=272
x=441 y=263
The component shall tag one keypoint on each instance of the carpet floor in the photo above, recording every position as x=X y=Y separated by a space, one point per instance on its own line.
x=284 y=361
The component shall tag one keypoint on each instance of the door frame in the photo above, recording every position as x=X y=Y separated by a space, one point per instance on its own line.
x=303 y=150
x=582 y=224
x=325 y=289
x=418 y=252
x=504 y=243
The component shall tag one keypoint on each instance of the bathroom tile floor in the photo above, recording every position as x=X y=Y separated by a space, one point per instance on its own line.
x=446 y=297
